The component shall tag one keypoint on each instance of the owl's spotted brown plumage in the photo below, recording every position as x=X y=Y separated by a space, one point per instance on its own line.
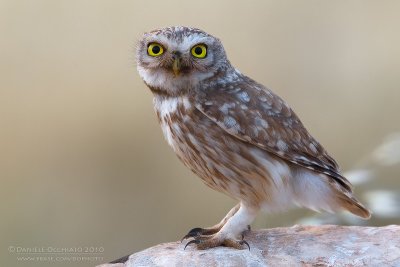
x=236 y=135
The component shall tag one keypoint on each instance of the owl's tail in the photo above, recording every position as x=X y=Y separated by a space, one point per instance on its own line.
x=350 y=203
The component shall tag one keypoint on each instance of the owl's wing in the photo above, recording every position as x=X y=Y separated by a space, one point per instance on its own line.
x=254 y=114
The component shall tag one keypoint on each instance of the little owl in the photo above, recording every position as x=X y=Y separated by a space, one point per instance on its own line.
x=237 y=135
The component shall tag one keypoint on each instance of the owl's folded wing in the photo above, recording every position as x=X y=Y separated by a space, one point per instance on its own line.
x=252 y=113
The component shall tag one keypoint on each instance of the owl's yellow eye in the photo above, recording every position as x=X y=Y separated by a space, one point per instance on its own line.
x=155 y=49
x=199 y=51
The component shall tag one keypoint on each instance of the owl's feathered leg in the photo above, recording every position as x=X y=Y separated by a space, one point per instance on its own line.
x=213 y=229
x=229 y=233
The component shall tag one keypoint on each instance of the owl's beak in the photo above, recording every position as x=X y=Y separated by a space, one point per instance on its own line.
x=176 y=66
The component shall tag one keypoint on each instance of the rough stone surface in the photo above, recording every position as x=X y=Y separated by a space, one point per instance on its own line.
x=296 y=246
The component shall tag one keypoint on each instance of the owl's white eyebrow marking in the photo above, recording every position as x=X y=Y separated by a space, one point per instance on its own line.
x=183 y=45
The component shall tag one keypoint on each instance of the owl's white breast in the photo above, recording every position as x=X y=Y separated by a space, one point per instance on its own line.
x=168 y=107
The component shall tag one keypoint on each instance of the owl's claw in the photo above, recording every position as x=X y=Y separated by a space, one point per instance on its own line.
x=192 y=233
x=194 y=241
x=241 y=242
x=198 y=232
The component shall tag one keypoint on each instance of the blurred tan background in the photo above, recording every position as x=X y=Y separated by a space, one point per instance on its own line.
x=83 y=162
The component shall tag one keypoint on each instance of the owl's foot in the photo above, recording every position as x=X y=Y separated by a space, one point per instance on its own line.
x=214 y=229
x=211 y=241
x=236 y=223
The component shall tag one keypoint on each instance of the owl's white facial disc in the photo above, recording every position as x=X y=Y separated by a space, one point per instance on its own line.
x=177 y=44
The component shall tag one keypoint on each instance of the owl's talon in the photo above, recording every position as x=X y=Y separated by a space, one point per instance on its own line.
x=194 y=241
x=197 y=231
x=244 y=242
x=193 y=233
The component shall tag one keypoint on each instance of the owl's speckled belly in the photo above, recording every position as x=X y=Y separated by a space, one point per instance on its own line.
x=224 y=162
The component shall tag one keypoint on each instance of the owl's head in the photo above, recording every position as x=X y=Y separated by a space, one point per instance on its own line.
x=177 y=58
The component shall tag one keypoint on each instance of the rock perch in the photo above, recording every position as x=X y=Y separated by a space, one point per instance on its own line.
x=327 y=245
